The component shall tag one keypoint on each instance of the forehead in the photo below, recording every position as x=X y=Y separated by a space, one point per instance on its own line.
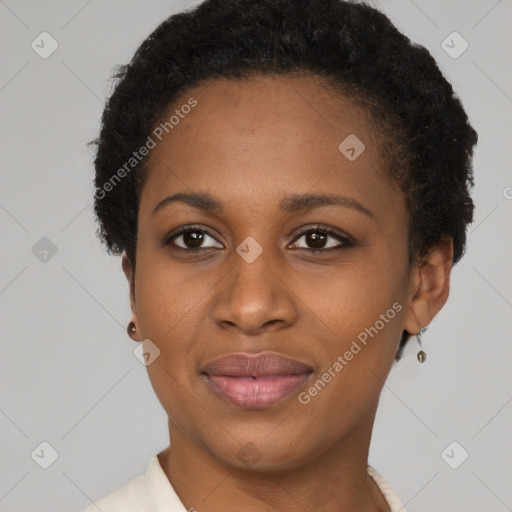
x=262 y=136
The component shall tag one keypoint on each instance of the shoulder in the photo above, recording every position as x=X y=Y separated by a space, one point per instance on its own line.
x=146 y=493
x=130 y=497
x=387 y=491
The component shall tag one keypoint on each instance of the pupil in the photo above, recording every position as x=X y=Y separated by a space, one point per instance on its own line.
x=316 y=240
x=193 y=238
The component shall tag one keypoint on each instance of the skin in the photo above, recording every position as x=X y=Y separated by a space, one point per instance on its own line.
x=249 y=144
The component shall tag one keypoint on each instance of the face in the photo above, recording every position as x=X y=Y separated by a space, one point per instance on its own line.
x=295 y=268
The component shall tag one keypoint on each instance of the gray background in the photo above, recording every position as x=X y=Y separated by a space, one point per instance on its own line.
x=68 y=375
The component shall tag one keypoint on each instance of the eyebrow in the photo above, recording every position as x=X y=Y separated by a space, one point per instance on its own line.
x=290 y=204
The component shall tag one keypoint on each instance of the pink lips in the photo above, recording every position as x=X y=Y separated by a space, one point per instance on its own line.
x=258 y=380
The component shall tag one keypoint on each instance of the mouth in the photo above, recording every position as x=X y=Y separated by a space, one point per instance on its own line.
x=255 y=381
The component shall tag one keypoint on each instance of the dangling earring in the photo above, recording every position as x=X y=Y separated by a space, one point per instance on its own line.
x=131 y=328
x=421 y=354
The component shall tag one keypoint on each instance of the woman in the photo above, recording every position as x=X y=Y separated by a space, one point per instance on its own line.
x=288 y=184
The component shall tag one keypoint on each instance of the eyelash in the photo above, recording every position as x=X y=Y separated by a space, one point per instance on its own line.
x=346 y=241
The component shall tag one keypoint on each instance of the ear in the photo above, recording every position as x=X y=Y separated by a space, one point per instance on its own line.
x=429 y=286
x=130 y=276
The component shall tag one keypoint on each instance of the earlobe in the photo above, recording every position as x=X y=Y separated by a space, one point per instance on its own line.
x=430 y=286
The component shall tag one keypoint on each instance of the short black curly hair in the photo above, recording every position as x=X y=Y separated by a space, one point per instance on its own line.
x=426 y=139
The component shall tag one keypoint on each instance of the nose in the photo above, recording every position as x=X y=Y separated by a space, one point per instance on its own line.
x=254 y=297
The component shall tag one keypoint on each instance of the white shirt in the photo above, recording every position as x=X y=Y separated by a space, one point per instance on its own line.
x=152 y=492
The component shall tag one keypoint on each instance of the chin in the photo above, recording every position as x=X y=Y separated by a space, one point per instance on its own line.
x=251 y=452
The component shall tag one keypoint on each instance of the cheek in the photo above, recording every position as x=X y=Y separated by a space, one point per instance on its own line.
x=363 y=307
x=168 y=313
x=355 y=296
x=167 y=300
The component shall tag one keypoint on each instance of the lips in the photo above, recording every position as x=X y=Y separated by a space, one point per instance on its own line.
x=258 y=365
x=255 y=380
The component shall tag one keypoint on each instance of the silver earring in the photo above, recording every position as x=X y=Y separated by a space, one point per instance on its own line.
x=421 y=354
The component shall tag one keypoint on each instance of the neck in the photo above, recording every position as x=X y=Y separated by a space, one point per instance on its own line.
x=336 y=479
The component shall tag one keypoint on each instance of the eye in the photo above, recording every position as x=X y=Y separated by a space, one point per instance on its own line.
x=191 y=238
x=317 y=240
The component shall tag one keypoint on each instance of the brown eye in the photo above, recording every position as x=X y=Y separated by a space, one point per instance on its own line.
x=322 y=240
x=192 y=239
x=316 y=240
